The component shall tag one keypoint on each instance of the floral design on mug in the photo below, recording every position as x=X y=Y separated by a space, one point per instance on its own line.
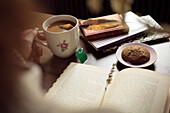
x=63 y=45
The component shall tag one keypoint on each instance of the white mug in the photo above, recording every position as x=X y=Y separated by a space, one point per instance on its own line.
x=62 y=44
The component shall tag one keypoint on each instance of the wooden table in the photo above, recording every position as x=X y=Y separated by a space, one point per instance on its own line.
x=53 y=66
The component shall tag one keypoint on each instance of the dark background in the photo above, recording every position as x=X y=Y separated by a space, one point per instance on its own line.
x=158 y=9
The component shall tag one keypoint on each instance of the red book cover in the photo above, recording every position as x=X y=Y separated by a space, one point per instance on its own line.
x=102 y=27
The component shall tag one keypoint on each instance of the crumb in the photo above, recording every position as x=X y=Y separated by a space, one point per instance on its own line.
x=66 y=26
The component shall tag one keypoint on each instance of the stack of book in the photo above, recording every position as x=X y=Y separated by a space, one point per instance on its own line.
x=137 y=26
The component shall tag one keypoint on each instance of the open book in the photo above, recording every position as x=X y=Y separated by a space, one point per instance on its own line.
x=132 y=90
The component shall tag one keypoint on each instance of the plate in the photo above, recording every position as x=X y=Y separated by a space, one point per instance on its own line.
x=153 y=55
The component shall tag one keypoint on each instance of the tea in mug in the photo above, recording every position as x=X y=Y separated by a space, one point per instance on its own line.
x=60 y=26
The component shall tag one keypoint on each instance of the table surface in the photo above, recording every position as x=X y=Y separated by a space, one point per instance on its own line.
x=53 y=66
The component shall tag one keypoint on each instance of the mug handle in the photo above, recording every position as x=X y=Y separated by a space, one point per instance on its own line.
x=39 y=41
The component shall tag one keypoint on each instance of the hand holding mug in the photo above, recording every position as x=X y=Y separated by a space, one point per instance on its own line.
x=29 y=48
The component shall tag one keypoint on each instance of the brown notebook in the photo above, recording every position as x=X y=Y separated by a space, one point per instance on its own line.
x=102 y=27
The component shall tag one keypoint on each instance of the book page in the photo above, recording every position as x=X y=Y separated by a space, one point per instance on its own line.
x=138 y=91
x=166 y=109
x=80 y=87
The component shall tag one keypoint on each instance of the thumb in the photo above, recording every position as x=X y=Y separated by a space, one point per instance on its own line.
x=30 y=34
x=34 y=33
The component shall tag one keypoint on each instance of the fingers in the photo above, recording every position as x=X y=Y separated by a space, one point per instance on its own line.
x=37 y=48
x=30 y=34
x=30 y=49
x=41 y=37
x=36 y=52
